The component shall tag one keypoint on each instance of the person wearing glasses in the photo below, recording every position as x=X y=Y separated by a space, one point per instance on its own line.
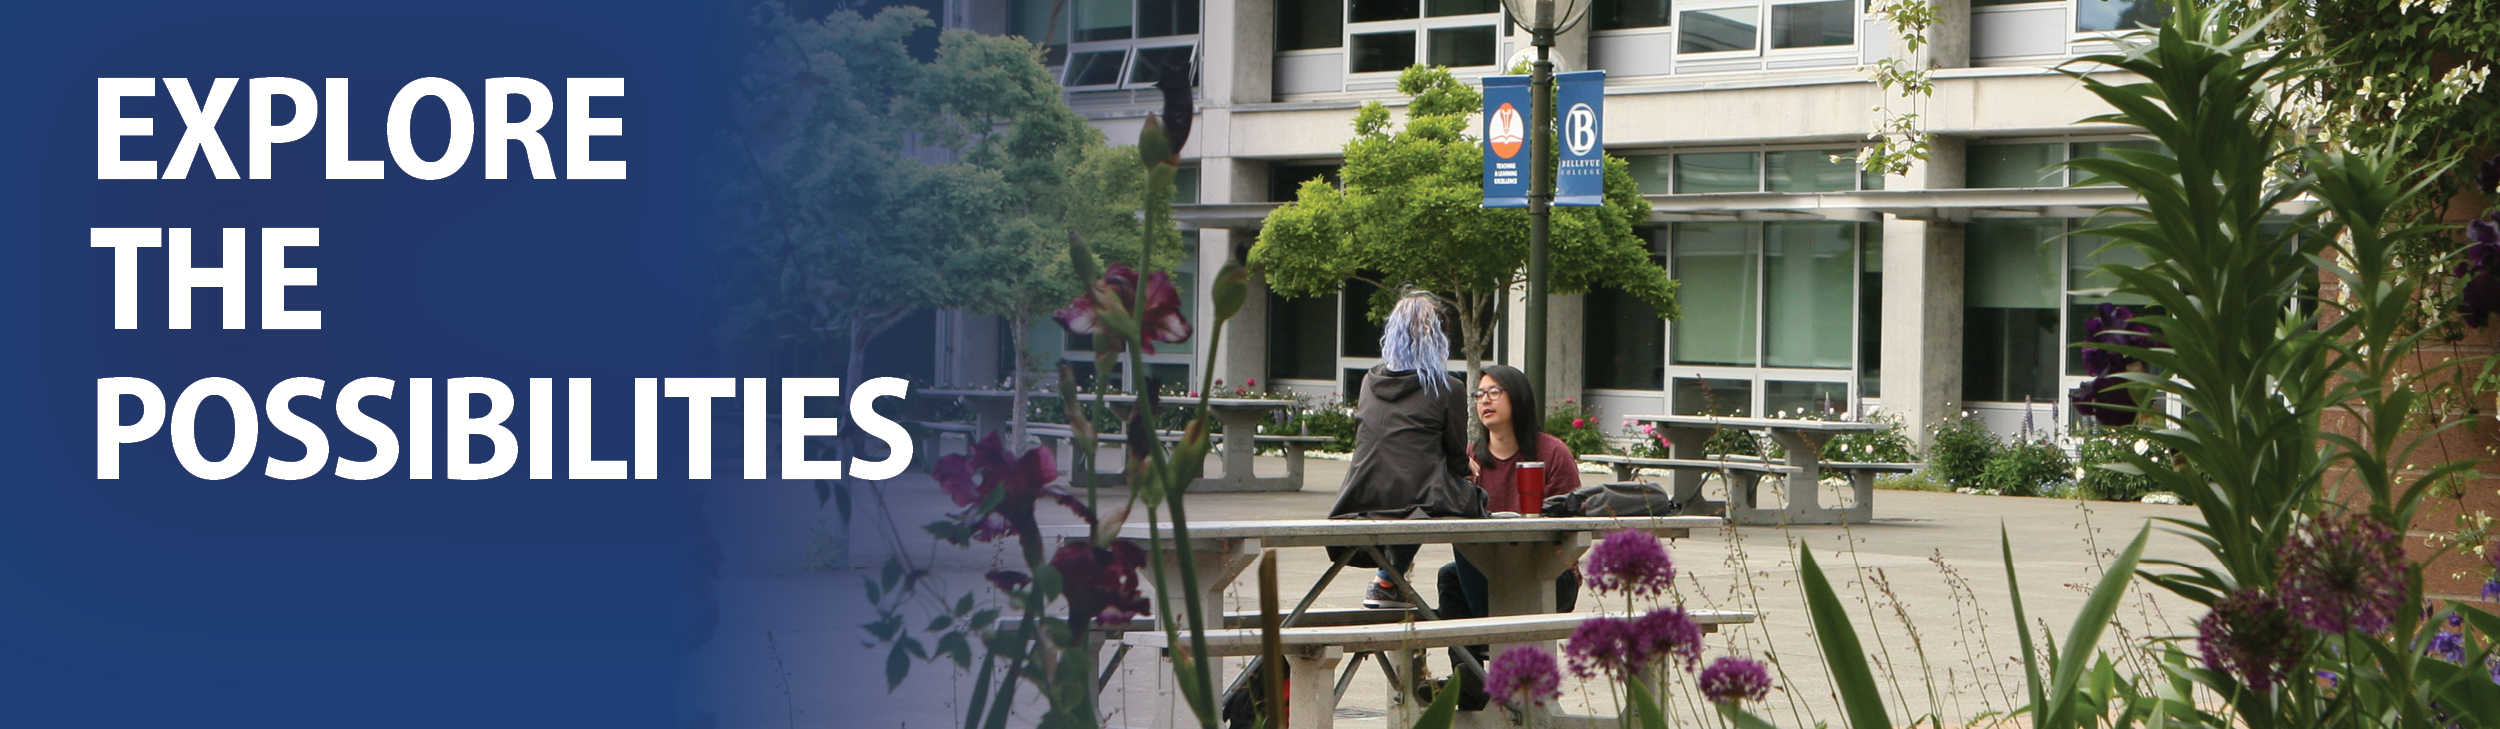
x=1513 y=434
x=1410 y=441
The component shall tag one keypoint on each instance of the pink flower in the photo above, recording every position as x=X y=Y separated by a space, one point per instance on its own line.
x=1577 y=423
x=1252 y=382
x=1161 y=320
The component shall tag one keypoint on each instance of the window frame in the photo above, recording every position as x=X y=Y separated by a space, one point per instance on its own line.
x=1761 y=374
x=1421 y=28
x=1131 y=50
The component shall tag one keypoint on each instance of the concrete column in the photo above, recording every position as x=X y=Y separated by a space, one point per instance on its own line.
x=1948 y=40
x=971 y=349
x=1243 y=356
x=1566 y=347
x=1237 y=53
x=1922 y=315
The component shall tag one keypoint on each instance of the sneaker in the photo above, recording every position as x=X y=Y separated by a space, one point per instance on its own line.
x=1383 y=596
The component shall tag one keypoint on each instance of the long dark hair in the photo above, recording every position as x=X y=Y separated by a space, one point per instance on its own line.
x=1527 y=418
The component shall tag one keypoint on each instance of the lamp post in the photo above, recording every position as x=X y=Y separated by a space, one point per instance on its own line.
x=1542 y=22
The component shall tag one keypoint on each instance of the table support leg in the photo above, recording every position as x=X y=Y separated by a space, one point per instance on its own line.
x=1805 y=487
x=1687 y=444
x=1219 y=562
x=1313 y=693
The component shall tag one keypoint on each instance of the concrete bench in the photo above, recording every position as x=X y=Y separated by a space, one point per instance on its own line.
x=1053 y=435
x=933 y=432
x=1861 y=477
x=1312 y=653
x=1743 y=475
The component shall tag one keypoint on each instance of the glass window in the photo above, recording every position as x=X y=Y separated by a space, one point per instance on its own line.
x=1102 y=20
x=1307 y=24
x=1097 y=68
x=1716 y=264
x=1870 y=309
x=2088 y=288
x=1301 y=336
x=2010 y=343
x=1867 y=179
x=1185 y=186
x=1718 y=172
x=1461 y=47
x=1446 y=8
x=1724 y=398
x=1365 y=11
x=1622 y=14
x=1157 y=18
x=1722 y=29
x=2015 y=165
x=1627 y=340
x=1813 y=25
x=2103 y=150
x=2107 y=15
x=1284 y=180
x=1807 y=299
x=1361 y=335
x=1031 y=19
x=1165 y=373
x=1812 y=170
x=1150 y=63
x=1650 y=172
x=1384 y=51
x=1792 y=399
x=1989 y=3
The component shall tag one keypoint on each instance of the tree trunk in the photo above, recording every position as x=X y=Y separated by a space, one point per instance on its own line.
x=1471 y=327
x=1016 y=381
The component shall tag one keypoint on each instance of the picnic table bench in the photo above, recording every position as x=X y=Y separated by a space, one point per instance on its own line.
x=1239 y=417
x=1312 y=652
x=1801 y=439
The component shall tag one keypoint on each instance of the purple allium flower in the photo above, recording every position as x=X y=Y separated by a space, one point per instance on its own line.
x=1665 y=634
x=2448 y=646
x=1524 y=675
x=2491 y=589
x=2342 y=572
x=1731 y=679
x=1632 y=563
x=2251 y=636
x=1599 y=645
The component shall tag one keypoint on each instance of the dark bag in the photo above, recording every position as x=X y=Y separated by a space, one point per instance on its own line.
x=1628 y=498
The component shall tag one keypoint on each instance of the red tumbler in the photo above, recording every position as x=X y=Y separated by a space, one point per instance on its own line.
x=1528 y=481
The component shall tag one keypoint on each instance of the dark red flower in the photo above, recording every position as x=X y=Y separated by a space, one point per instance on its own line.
x=1101 y=583
x=1161 y=322
x=2095 y=397
x=1009 y=580
x=969 y=480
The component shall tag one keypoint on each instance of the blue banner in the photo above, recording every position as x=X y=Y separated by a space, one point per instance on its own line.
x=1505 y=141
x=1580 y=99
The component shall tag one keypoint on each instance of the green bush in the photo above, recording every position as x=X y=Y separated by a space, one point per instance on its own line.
x=2026 y=468
x=1960 y=451
x=1888 y=445
x=1576 y=425
x=1336 y=422
x=2101 y=447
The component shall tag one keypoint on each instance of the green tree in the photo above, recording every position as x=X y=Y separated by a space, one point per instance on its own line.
x=1410 y=217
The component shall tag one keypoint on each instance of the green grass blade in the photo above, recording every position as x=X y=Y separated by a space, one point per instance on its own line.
x=1444 y=709
x=2085 y=636
x=2022 y=628
x=1644 y=707
x=1858 y=691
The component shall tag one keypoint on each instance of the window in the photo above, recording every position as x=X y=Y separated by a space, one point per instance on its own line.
x=1811 y=170
x=2041 y=164
x=2093 y=16
x=1717 y=264
x=1718 y=30
x=1185 y=185
x=2010 y=299
x=1307 y=24
x=1713 y=396
x=1376 y=52
x=1151 y=62
x=1814 y=24
x=1469 y=46
x=1096 y=68
x=1628 y=14
x=1807 y=299
x=1301 y=337
x=1791 y=399
x=1284 y=179
x=1871 y=310
x=1114 y=44
x=1359 y=335
x=2087 y=288
x=1367 y=11
x=1447 y=8
x=1718 y=172
x=1626 y=339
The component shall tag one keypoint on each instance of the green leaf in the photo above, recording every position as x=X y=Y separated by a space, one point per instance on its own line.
x=1643 y=707
x=897 y=667
x=886 y=627
x=939 y=623
x=2022 y=630
x=824 y=492
x=1858 y=691
x=1443 y=712
x=963 y=605
x=955 y=646
x=876 y=594
x=981 y=620
x=893 y=573
x=2085 y=636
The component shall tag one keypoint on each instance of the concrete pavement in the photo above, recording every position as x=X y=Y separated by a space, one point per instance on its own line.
x=1928 y=594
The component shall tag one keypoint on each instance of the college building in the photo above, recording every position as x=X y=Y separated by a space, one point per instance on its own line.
x=1806 y=285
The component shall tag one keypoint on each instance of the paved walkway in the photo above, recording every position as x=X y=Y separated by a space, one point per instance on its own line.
x=1927 y=587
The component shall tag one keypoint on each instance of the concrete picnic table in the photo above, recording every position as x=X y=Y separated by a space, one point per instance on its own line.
x=1520 y=557
x=1803 y=439
x=1239 y=416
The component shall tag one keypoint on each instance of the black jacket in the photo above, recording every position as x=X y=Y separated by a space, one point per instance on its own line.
x=1410 y=452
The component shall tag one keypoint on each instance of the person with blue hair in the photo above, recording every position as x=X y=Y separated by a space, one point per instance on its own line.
x=1410 y=441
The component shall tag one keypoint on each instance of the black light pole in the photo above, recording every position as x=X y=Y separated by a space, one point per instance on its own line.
x=1543 y=24
x=1540 y=188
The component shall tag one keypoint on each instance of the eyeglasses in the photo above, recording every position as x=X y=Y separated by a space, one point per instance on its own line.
x=1489 y=392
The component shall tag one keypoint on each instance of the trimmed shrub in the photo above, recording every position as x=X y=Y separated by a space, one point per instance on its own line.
x=1960 y=451
x=2026 y=468
x=1576 y=425
x=2101 y=448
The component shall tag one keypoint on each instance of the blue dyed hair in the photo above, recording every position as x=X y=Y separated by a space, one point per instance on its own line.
x=1412 y=340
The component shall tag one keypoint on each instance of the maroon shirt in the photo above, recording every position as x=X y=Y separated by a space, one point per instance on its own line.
x=1562 y=475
